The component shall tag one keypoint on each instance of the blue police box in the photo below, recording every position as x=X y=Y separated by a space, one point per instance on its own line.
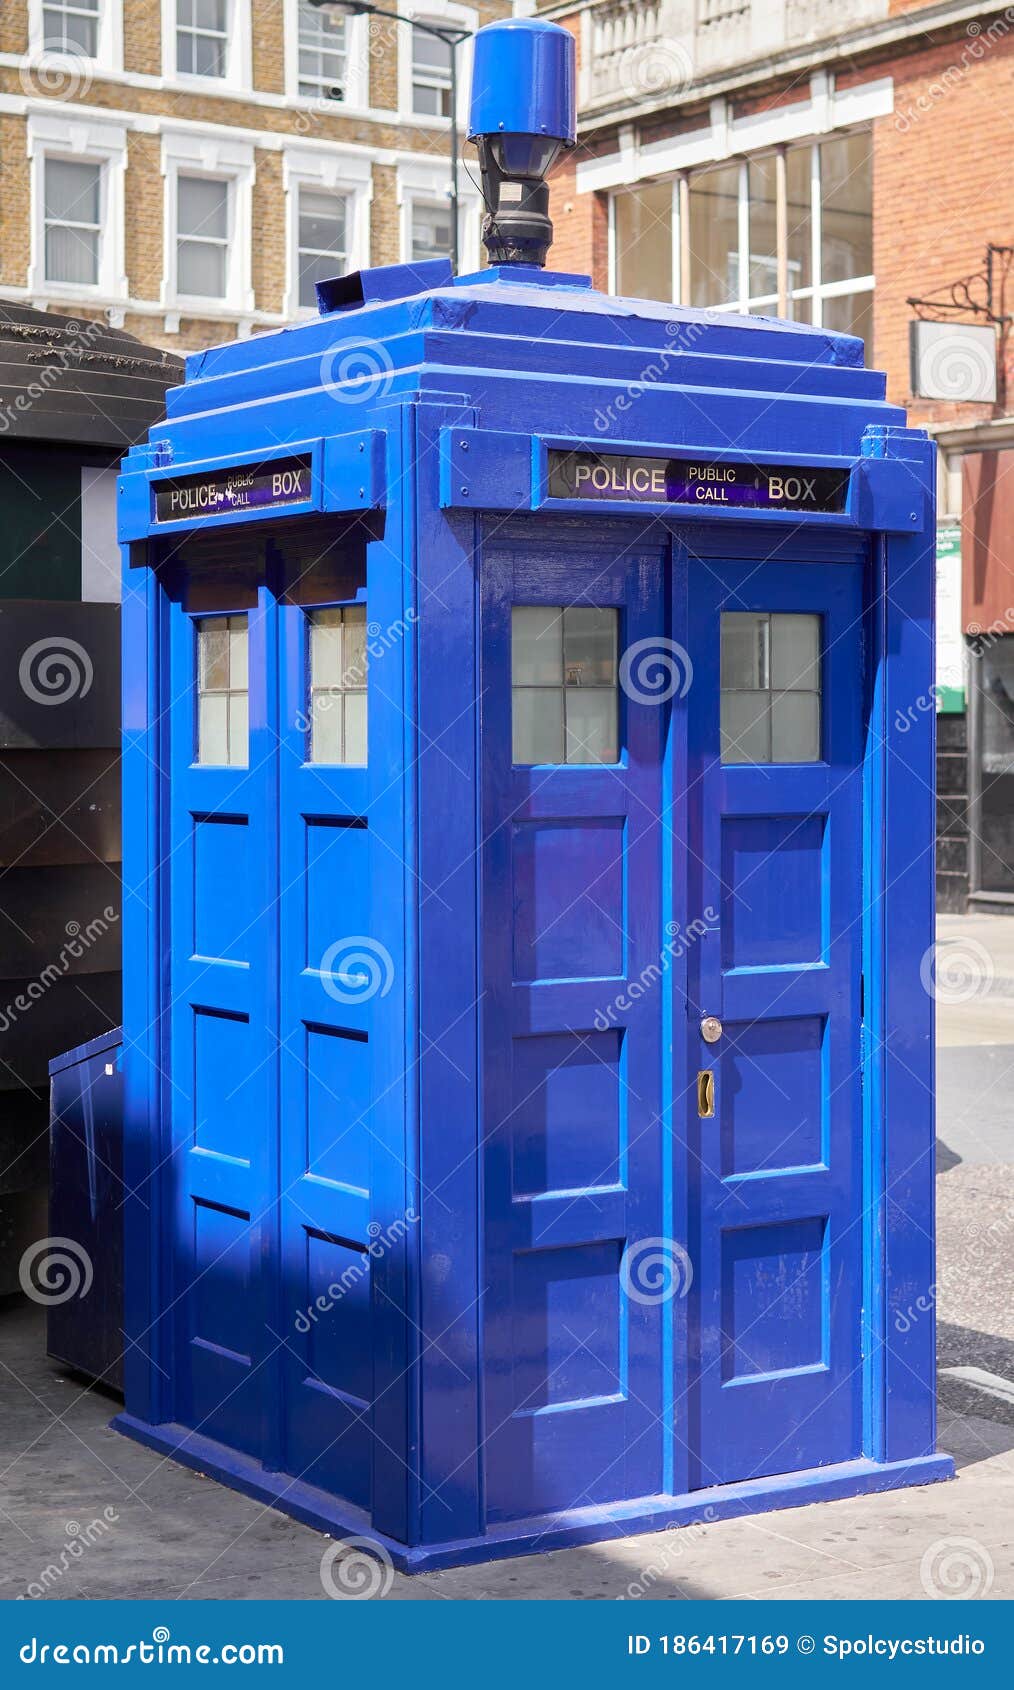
x=529 y=855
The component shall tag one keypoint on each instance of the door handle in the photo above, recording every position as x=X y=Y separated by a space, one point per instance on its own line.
x=711 y=1029
x=706 y=1093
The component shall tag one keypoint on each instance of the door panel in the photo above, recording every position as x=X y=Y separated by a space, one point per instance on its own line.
x=775 y=1174
x=572 y=1102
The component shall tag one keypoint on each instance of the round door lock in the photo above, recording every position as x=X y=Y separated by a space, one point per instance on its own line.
x=711 y=1029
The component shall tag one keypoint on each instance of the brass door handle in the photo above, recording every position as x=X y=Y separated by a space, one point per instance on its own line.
x=706 y=1093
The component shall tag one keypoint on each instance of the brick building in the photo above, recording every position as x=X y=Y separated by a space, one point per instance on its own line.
x=187 y=167
x=829 y=160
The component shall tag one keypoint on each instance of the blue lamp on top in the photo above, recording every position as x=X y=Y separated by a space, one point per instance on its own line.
x=522 y=116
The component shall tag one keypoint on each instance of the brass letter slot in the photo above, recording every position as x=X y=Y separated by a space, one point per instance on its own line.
x=705 y=1093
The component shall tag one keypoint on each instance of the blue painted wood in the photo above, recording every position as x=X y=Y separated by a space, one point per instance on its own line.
x=475 y=1153
x=778 y=1226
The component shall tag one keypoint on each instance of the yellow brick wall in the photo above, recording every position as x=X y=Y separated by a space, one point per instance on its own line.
x=385 y=235
x=13 y=26
x=15 y=186
x=144 y=219
x=270 y=234
x=268 y=30
x=142 y=37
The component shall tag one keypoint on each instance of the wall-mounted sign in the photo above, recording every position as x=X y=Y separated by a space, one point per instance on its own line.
x=709 y=483
x=952 y=654
x=222 y=492
x=954 y=361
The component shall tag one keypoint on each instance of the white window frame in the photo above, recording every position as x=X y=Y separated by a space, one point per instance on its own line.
x=327 y=170
x=85 y=140
x=238 y=64
x=219 y=159
x=429 y=180
x=438 y=12
x=357 y=65
x=813 y=295
x=109 y=54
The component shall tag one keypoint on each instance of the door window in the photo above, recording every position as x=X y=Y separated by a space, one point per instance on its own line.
x=770 y=710
x=222 y=691
x=563 y=684
x=337 y=668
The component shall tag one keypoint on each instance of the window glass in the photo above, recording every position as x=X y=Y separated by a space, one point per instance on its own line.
x=563 y=683
x=770 y=685
x=799 y=210
x=644 y=241
x=431 y=74
x=71 y=26
x=846 y=208
x=992 y=673
x=851 y=313
x=202 y=37
x=203 y=236
x=222 y=691
x=322 y=240
x=763 y=272
x=338 y=663
x=73 y=193
x=322 y=53
x=431 y=230
x=714 y=236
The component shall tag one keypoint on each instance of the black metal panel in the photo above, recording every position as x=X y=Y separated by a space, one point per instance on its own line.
x=60 y=683
x=36 y=1021
x=59 y=807
x=71 y=379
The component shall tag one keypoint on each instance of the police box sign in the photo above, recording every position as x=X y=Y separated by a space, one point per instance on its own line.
x=223 y=492
x=696 y=481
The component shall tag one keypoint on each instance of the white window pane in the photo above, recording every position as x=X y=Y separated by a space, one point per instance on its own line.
x=354 y=656
x=745 y=658
x=591 y=725
x=239 y=734
x=72 y=255
x=326 y=727
x=202 y=207
x=795 y=727
x=355 y=728
x=537 y=645
x=213 y=728
x=71 y=28
x=213 y=652
x=538 y=725
x=238 y=668
x=795 y=652
x=325 y=648
x=72 y=191
x=746 y=727
x=589 y=646
x=431 y=231
x=201 y=270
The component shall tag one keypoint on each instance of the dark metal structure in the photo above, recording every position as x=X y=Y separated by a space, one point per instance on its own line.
x=73 y=394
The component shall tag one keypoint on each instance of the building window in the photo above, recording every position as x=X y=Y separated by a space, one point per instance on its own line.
x=338 y=662
x=820 y=270
x=431 y=74
x=222 y=691
x=322 y=49
x=431 y=230
x=73 y=221
x=71 y=26
x=563 y=684
x=323 y=240
x=770 y=685
x=202 y=237
x=202 y=37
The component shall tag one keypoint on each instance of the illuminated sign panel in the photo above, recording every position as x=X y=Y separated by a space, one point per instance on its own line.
x=696 y=481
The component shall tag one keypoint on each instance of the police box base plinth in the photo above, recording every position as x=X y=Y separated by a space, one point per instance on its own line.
x=566 y=1530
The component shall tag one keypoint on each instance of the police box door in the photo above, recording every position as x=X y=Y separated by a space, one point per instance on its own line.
x=775 y=729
